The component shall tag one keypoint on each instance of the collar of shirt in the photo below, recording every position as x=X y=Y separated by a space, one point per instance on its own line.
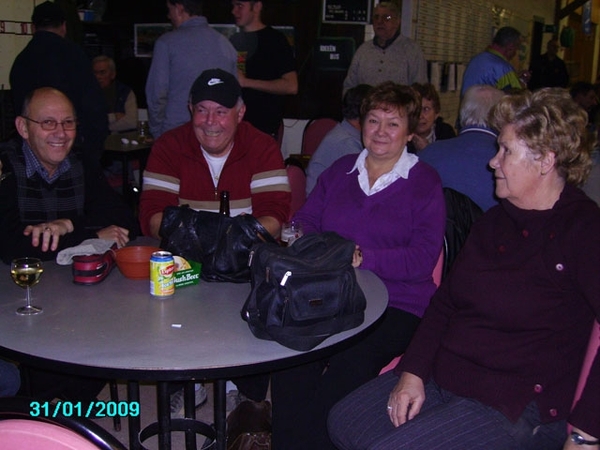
x=400 y=170
x=33 y=165
x=387 y=43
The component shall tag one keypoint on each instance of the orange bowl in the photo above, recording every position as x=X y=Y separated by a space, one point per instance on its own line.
x=134 y=261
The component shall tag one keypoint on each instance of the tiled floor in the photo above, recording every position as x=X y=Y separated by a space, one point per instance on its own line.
x=148 y=415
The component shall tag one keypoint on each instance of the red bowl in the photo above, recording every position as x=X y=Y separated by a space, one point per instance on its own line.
x=134 y=261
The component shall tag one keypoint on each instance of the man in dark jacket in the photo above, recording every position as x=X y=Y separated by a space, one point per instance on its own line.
x=49 y=199
x=51 y=60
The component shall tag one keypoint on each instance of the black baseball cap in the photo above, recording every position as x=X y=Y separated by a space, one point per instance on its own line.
x=218 y=86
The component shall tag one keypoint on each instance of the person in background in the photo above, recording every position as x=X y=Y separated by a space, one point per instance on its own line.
x=492 y=67
x=431 y=127
x=389 y=56
x=497 y=357
x=51 y=60
x=548 y=70
x=179 y=56
x=120 y=99
x=462 y=162
x=51 y=200
x=266 y=66
x=391 y=205
x=585 y=96
x=343 y=139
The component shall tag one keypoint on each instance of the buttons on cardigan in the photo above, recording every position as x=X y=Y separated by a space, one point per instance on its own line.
x=559 y=267
x=538 y=388
x=501 y=248
x=552 y=235
x=525 y=233
x=553 y=412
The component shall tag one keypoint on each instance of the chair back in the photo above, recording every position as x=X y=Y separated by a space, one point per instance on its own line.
x=19 y=429
x=314 y=132
x=297 y=179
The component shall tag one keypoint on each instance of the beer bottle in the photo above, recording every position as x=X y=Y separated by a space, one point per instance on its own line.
x=224 y=205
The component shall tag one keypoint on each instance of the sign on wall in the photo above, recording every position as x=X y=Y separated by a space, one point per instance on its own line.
x=347 y=11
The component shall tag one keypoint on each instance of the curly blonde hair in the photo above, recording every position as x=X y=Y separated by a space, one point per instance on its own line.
x=548 y=120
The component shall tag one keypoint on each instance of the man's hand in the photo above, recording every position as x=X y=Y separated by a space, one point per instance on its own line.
x=406 y=399
x=116 y=234
x=48 y=233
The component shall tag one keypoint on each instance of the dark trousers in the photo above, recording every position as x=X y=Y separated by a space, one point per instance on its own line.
x=47 y=385
x=302 y=396
x=446 y=422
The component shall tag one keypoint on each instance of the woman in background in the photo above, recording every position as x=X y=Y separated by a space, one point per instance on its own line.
x=431 y=126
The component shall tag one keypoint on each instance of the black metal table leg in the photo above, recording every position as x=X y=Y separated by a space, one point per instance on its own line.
x=220 y=413
x=135 y=423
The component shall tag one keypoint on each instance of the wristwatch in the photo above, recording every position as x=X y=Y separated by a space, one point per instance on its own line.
x=580 y=440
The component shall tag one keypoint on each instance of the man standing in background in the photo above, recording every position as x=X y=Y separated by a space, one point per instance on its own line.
x=492 y=66
x=51 y=60
x=179 y=57
x=548 y=70
x=266 y=66
x=389 y=56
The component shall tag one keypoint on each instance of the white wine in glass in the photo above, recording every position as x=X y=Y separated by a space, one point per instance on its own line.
x=26 y=272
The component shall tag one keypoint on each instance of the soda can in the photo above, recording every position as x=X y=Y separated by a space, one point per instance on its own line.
x=162 y=268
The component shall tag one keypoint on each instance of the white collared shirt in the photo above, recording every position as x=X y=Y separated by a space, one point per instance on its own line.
x=400 y=170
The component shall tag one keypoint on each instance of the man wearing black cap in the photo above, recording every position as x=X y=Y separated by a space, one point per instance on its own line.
x=51 y=60
x=266 y=66
x=216 y=152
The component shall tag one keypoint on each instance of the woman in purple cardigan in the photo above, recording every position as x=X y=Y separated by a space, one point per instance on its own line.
x=496 y=359
x=392 y=206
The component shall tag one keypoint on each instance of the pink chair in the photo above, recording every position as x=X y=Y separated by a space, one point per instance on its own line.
x=592 y=350
x=297 y=180
x=314 y=132
x=21 y=430
x=437 y=279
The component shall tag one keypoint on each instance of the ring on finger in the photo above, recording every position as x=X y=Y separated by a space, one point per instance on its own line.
x=389 y=408
x=48 y=229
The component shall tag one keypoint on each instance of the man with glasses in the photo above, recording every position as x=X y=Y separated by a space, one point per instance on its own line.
x=50 y=200
x=389 y=56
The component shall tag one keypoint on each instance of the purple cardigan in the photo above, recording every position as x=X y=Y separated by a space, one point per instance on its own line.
x=511 y=322
x=399 y=229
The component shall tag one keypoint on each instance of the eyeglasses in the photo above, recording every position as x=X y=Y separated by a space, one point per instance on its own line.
x=386 y=18
x=51 y=124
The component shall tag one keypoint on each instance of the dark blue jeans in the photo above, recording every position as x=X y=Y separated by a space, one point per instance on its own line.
x=446 y=422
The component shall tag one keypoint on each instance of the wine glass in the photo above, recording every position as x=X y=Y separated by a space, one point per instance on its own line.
x=26 y=272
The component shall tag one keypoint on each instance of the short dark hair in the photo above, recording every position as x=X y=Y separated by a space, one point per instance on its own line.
x=581 y=88
x=388 y=96
x=428 y=91
x=192 y=7
x=48 y=15
x=352 y=100
x=506 y=36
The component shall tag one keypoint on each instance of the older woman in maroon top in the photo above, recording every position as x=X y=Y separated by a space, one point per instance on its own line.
x=496 y=359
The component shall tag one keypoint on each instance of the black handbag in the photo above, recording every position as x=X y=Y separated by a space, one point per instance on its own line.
x=304 y=293
x=221 y=243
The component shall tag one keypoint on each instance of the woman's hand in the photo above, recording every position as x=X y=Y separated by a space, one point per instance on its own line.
x=357 y=257
x=570 y=445
x=48 y=233
x=116 y=234
x=419 y=142
x=406 y=399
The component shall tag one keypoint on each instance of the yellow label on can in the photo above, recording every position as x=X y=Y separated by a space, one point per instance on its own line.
x=162 y=268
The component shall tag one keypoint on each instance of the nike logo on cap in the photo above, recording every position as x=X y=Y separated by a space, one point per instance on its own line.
x=214 y=81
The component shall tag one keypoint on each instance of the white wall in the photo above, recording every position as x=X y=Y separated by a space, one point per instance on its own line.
x=13 y=14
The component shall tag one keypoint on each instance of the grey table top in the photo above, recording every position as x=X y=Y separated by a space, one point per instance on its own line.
x=120 y=330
